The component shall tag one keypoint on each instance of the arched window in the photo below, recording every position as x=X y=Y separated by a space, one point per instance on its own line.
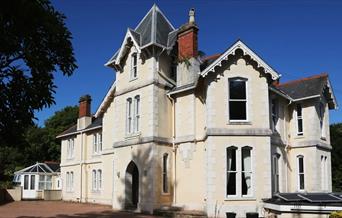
x=275 y=172
x=134 y=66
x=231 y=171
x=129 y=126
x=301 y=170
x=237 y=99
x=136 y=113
x=94 y=180
x=99 y=179
x=246 y=170
x=165 y=173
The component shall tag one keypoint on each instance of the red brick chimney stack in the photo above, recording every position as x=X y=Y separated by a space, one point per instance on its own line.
x=84 y=108
x=187 y=38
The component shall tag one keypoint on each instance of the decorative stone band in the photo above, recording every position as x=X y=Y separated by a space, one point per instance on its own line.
x=239 y=132
x=143 y=140
x=311 y=143
x=144 y=84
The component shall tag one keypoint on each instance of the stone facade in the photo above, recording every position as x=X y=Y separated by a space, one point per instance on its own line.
x=177 y=153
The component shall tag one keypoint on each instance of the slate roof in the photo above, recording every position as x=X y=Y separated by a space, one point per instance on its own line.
x=305 y=87
x=96 y=122
x=153 y=29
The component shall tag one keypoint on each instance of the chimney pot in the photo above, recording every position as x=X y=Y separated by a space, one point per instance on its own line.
x=192 y=15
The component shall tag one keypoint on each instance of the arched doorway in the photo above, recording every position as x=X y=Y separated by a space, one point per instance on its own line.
x=131 y=186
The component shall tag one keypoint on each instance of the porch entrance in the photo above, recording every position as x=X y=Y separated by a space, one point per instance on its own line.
x=30 y=186
x=131 y=186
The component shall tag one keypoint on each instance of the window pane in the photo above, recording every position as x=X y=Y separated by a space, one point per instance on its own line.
x=231 y=184
x=301 y=181
x=231 y=159
x=246 y=185
x=301 y=165
x=300 y=125
x=237 y=110
x=237 y=89
x=299 y=110
x=26 y=181
x=246 y=159
x=246 y=176
x=165 y=184
x=33 y=184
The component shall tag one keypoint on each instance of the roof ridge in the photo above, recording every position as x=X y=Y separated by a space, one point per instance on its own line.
x=321 y=75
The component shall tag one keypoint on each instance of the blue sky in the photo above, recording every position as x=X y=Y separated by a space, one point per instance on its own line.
x=298 y=38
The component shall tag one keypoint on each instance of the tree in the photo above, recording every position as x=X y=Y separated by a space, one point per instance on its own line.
x=34 y=45
x=336 y=154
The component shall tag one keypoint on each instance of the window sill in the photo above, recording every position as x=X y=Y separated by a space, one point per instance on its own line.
x=165 y=193
x=132 y=79
x=95 y=155
x=299 y=137
x=96 y=191
x=132 y=135
x=251 y=198
x=323 y=138
x=233 y=122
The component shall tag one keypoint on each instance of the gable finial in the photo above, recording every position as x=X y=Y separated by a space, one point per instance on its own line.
x=192 y=15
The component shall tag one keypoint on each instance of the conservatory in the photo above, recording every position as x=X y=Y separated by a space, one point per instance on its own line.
x=37 y=178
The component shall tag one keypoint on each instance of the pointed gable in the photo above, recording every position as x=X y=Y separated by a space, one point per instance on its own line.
x=253 y=58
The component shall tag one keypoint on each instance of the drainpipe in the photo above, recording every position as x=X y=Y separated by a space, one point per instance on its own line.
x=174 y=148
x=81 y=165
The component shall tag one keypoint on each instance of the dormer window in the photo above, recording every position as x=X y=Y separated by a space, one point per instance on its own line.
x=237 y=99
x=134 y=68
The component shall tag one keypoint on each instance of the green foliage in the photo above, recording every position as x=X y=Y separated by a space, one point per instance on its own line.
x=336 y=154
x=40 y=144
x=336 y=214
x=34 y=45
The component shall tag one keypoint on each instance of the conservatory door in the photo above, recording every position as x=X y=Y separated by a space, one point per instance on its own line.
x=29 y=184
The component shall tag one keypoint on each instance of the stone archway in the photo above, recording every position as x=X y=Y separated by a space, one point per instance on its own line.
x=131 y=186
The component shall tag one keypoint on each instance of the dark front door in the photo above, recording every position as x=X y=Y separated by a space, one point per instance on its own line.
x=132 y=186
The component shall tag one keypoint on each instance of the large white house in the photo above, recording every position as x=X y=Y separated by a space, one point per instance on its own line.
x=218 y=134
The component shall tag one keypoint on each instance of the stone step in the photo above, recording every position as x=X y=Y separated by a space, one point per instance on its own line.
x=175 y=212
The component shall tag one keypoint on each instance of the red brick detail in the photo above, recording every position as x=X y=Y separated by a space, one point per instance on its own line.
x=187 y=44
x=84 y=108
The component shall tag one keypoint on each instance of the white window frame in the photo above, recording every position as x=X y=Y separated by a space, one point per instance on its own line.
x=324 y=173
x=275 y=173
x=299 y=118
x=70 y=148
x=321 y=119
x=238 y=172
x=94 y=180
x=134 y=66
x=238 y=100
x=69 y=181
x=99 y=179
x=300 y=173
x=232 y=171
x=129 y=120
x=136 y=119
x=97 y=143
x=274 y=114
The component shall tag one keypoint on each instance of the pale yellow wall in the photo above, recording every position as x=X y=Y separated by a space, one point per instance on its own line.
x=145 y=72
x=257 y=95
x=190 y=176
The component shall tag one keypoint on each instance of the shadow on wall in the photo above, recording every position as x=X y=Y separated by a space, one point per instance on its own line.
x=143 y=180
